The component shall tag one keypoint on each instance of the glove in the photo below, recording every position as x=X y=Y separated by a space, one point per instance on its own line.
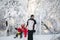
x=34 y=31
x=15 y=28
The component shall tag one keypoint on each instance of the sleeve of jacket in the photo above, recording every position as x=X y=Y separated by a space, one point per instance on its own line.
x=27 y=22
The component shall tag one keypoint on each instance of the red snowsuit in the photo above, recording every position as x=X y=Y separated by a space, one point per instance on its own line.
x=19 y=29
x=25 y=30
x=19 y=32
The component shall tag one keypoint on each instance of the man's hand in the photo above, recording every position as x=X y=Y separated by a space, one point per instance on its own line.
x=34 y=31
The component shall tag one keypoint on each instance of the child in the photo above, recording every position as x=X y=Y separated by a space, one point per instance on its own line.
x=24 y=29
x=19 y=32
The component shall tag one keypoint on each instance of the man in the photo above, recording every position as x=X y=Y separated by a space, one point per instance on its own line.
x=31 y=25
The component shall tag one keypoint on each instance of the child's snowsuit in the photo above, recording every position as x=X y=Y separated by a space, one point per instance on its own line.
x=25 y=30
x=19 y=32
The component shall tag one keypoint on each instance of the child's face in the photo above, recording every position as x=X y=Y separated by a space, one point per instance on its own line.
x=23 y=25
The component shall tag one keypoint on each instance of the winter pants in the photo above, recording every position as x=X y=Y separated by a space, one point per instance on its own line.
x=19 y=34
x=30 y=35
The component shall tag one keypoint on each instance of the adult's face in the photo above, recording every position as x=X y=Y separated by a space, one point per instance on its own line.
x=32 y=17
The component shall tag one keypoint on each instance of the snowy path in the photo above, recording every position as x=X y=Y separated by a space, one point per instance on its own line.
x=36 y=37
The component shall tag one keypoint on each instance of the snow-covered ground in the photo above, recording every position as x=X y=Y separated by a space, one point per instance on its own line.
x=36 y=37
